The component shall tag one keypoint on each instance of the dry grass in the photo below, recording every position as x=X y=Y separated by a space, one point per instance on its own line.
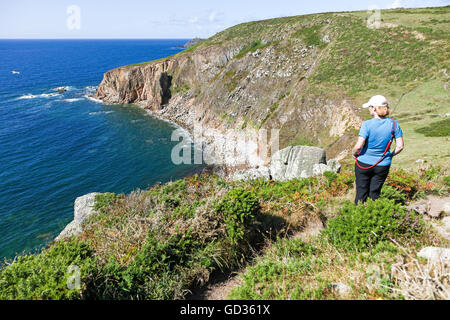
x=422 y=282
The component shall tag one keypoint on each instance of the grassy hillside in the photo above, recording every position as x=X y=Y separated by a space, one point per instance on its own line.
x=406 y=60
x=162 y=242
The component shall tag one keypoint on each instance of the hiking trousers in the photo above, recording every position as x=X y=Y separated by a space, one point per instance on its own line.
x=369 y=181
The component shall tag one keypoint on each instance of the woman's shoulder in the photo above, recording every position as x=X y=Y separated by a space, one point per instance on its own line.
x=396 y=121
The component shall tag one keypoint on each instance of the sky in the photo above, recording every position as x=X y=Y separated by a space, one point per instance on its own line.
x=182 y=19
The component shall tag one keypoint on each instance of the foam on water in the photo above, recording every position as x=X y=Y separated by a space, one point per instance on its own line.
x=57 y=142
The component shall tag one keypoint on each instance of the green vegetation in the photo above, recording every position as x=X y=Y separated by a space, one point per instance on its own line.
x=359 y=247
x=160 y=243
x=436 y=129
x=45 y=276
x=252 y=47
x=238 y=208
x=311 y=35
x=184 y=88
x=363 y=226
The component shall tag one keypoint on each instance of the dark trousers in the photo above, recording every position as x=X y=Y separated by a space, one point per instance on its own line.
x=369 y=181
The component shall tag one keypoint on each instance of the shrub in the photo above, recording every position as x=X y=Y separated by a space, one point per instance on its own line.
x=251 y=47
x=331 y=177
x=45 y=276
x=239 y=207
x=447 y=180
x=392 y=193
x=363 y=226
x=104 y=200
x=161 y=269
x=403 y=181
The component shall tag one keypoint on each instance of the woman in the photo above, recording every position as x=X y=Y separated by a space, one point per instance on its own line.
x=372 y=154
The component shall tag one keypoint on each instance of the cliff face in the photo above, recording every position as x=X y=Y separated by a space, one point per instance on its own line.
x=306 y=76
x=213 y=89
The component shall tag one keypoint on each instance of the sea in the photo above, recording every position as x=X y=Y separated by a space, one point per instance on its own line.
x=57 y=143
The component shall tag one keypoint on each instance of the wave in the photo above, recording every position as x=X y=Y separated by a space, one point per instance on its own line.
x=33 y=96
x=100 y=112
x=93 y=99
x=73 y=99
x=47 y=95
x=187 y=136
x=27 y=96
x=65 y=88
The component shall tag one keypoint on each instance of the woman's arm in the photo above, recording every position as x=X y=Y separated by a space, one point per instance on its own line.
x=399 y=145
x=358 y=146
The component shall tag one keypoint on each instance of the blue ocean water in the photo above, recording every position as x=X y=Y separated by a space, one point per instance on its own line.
x=55 y=147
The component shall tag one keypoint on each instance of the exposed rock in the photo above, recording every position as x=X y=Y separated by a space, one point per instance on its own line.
x=296 y=162
x=252 y=174
x=320 y=168
x=209 y=88
x=443 y=228
x=300 y=162
x=435 y=254
x=432 y=206
x=341 y=289
x=192 y=42
x=83 y=208
x=334 y=165
x=311 y=229
x=421 y=207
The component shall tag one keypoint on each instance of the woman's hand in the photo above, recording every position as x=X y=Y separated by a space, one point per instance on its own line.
x=358 y=146
x=399 y=145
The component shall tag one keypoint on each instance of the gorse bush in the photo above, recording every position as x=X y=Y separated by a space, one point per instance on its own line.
x=161 y=269
x=392 y=193
x=161 y=242
x=103 y=200
x=361 y=227
x=403 y=181
x=45 y=276
x=239 y=207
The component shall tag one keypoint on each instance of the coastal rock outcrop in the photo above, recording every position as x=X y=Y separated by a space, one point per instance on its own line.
x=225 y=85
x=83 y=208
x=297 y=162
x=291 y=163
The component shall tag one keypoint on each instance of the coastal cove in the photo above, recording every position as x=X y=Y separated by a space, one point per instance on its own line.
x=57 y=143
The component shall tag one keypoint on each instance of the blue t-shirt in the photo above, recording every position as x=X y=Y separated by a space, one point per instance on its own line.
x=377 y=133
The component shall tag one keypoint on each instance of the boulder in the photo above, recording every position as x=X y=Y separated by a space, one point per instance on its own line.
x=435 y=254
x=334 y=165
x=432 y=206
x=83 y=208
x=421 y=207
x=300 y=162
x=443 y=227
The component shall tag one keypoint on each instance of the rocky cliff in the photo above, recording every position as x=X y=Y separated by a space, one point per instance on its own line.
x=305 y=76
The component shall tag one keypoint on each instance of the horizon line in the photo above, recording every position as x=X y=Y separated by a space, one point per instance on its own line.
x=97 y=38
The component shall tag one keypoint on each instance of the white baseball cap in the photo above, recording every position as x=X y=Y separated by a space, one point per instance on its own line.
x=376 y=101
